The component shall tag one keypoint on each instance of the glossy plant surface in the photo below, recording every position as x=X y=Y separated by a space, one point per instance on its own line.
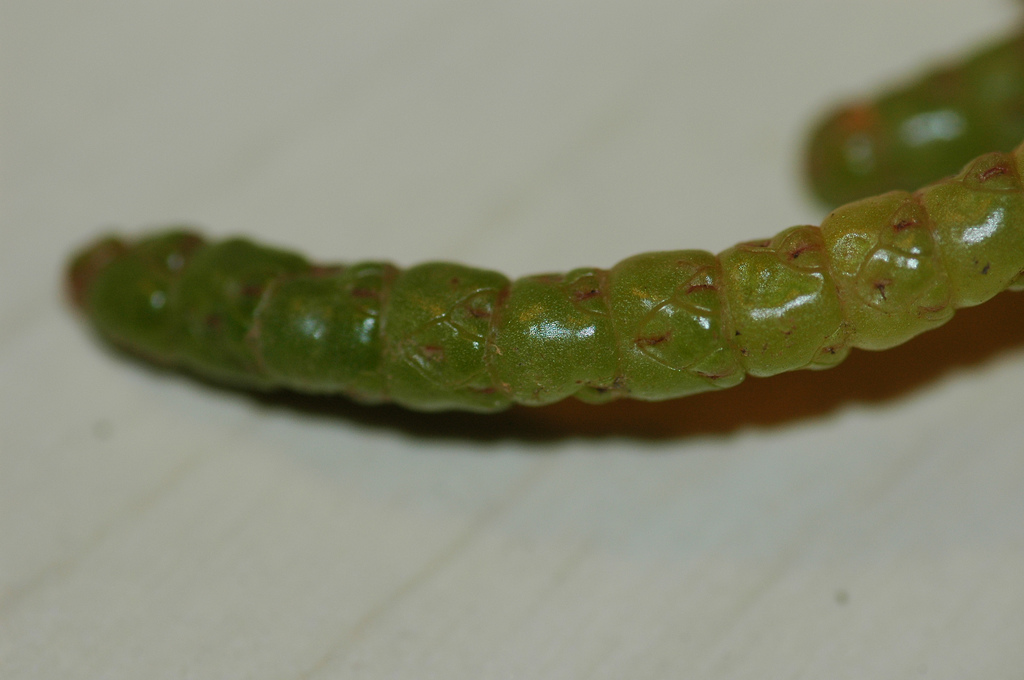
x=919 y=132
x=655 y=326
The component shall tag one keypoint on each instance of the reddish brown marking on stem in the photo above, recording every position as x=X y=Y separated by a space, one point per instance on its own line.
x=994 y=171
x=695 y=287
x=87 y=265
x=651 y=341
x=503 y=294
x=858 y=118
x=718 y=375
x=252 y=290
x=478 y=312
x=801 y=250
x=324 y=270
x=984 y=270
x=618 y=384
x=364 y=293
x=582 y=295
x=904 y=224
x=433 y=352
x=880 y=286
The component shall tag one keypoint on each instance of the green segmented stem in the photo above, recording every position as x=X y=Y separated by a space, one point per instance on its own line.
x=655 y=326
x=916 y=134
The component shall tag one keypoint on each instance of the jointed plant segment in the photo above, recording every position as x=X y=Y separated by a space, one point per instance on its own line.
x=654 y=326
x=928 y=129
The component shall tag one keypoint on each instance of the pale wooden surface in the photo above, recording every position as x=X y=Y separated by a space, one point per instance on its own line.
x=866 y=522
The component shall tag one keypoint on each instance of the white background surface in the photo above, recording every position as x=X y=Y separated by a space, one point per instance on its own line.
x=862 y=522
